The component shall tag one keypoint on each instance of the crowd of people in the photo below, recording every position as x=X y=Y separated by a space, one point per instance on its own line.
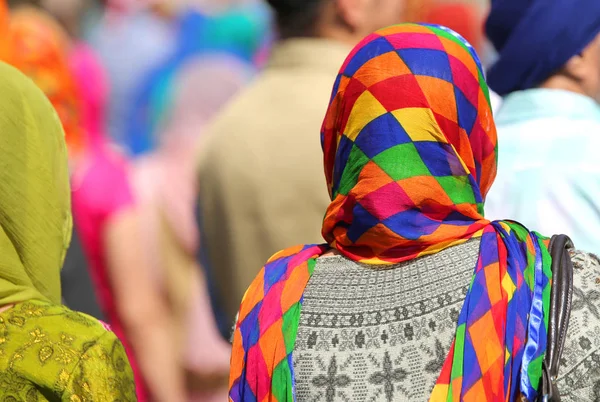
x=156 y=154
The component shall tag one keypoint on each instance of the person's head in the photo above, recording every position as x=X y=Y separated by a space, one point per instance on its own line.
x=40 y=49
x=241 y=30
x=345 y=20
x=67 y=12
x=581 y=73
x=181 y=98
x=162 y=8
x=409 y=144
x=204 y=85
x=35 y=222
x=545 y=44
x=19 y=3
x=201 y=88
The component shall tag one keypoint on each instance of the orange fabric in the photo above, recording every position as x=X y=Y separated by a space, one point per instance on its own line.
x=40 y=50
x=4 y=44
x=416 y=9
x=462 y=17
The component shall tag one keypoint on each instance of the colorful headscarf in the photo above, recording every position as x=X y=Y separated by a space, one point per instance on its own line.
x=536 y=38
x=410 y=154
x=40 y=50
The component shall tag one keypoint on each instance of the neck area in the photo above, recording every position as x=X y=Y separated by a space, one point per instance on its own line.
x=341 y=34
x=564 y=83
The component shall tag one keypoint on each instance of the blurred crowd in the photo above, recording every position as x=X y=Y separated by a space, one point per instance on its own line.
x=192 y=133
x=135 y=84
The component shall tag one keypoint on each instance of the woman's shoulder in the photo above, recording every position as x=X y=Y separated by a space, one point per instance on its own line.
x=586 y=277
x=579 y=376
x=51 y=349
x=55 y=321
x=584 y=260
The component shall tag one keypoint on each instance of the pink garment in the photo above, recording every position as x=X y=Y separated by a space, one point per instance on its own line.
x=203 y=87
x=100 y=187
x=165 y=181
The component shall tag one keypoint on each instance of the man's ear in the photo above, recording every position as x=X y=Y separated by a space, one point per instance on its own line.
x=576 y=66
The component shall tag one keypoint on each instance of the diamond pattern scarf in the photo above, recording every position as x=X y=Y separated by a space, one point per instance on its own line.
x=410 y=154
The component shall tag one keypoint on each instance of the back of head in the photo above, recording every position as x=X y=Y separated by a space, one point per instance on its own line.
x=536 y=38
x=19 y=3
x=206 y=84
x=241 y=30
x=297 y=18
x=346 y=21
x=35 y=217
x=409 y=144
x=201 y=88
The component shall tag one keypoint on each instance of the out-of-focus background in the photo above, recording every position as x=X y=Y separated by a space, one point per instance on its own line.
x=137 y=84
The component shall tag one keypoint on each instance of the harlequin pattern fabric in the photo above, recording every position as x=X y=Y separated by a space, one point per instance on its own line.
x=410 y=153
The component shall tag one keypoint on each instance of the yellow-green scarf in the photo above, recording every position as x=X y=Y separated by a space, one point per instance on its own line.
x=35 y=205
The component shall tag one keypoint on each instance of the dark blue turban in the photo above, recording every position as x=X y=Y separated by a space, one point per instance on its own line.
x=535 y=38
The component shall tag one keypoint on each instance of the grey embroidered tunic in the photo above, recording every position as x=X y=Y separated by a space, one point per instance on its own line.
x=382 y=333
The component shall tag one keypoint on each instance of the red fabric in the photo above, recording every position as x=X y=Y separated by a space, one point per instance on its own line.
x=466 y=19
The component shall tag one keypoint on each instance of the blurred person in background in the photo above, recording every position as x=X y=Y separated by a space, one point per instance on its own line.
x=39 y=47
x=164 y=186
x=48 y=352
x=240 y=31
x=102 y=198
x=132 y=38
x=214 y=59
x=108 y=215
x=548 y=71
x=262 y=143
x=78 y=288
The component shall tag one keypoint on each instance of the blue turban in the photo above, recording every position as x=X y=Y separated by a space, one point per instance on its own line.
x=535 y=38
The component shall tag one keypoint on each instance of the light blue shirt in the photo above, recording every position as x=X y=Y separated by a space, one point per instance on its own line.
x=549 y=165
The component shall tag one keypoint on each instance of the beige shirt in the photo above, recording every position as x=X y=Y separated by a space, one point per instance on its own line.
x=262 y=186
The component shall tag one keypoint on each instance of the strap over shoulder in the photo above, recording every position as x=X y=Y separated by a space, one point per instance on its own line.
x=560 y=312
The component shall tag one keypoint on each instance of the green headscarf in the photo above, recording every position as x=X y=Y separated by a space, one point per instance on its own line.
x=35 y=204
